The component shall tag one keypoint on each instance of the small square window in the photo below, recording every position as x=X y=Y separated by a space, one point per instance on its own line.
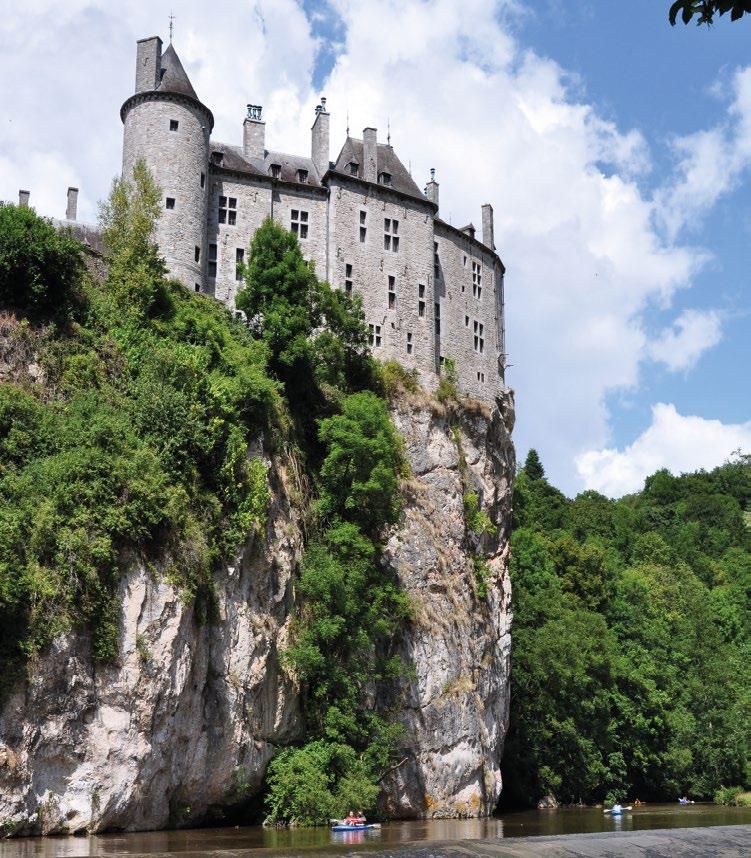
x=223 y=202
x=302 y=176
x=421 y=309
x=353 y=168
x=363 y=215
x=196 y=287
x=363 y=233
x=304 y=217
x=232 y=203
x=173 y=125
x=276 y=171
x=169 y=203
x=298 y=223
x=222 y=216
x=231 y=217
x=421 y=290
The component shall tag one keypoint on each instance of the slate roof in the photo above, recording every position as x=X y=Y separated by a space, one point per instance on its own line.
x=387 y=161
x=174 y=77
x=233 y=158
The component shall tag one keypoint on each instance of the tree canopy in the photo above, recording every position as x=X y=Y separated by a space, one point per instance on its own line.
x=706 y=10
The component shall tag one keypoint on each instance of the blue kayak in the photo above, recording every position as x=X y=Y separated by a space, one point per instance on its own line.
x=351 y=827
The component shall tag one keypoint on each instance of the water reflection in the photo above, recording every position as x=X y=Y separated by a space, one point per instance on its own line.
x=216 y=841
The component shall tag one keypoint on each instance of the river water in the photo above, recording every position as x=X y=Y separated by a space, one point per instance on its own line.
x=218 y=841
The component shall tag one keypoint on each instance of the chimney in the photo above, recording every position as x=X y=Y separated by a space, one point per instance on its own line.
x=23 y=199
x=148 y=64
x=487 y=226
x=72 y=207
x=431 y=189
x=254 y=133
x=370 y=154
x=319 y=139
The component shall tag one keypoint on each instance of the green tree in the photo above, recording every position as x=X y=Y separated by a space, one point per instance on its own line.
x=705 y=10
x=533 y=466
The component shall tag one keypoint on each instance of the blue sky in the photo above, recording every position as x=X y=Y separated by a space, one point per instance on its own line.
x=614 y=148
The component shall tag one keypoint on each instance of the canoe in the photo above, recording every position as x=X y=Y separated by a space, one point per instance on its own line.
x=353 y=827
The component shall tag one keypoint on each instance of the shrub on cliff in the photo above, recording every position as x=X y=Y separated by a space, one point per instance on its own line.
x=40 y=268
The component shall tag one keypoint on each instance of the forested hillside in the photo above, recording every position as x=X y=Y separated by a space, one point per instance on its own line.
x=631 y=664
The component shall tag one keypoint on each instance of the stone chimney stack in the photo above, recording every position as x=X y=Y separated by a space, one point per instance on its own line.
x=72 y=208
x=319 y=139
x=148 y=64
x=487 y=226
x=431 y=189
x=254 y=133
x=23 y=199
x=370 y=154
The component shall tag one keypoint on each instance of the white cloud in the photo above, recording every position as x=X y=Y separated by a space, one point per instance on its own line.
x=673 y=441
x=500 y=123
x=680 y=345
x=711 y=162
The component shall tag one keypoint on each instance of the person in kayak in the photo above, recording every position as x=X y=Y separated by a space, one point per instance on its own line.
x=361 y=818
x=351 y=819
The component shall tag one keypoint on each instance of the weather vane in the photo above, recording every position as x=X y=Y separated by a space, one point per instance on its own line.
x=171 y=25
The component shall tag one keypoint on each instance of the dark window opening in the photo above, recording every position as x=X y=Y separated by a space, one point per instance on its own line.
x=392 y=292
x=276 y=171
x=421 y=309
x=169 y=203
x=197 y=254
x=197 y=287
x=302 y=176
x=390 y=235
x=375 y=335
x=384 y=178
x=409 y=343
x=212 y=260
x=299 y=223
x=203 y=180
x=173 y=125
x=363 y=233
x=354 y=168
x=239 y=259
x=348 y=278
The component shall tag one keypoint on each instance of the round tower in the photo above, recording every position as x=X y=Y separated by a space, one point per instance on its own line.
x=166 y=124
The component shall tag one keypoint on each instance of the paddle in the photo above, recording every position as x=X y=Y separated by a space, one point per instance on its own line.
x=610 y=809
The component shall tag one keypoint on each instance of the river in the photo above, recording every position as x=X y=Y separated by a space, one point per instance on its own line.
x=215 y=841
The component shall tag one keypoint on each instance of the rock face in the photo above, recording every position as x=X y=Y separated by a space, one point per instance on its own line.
x=184 y=726
x=454 y=706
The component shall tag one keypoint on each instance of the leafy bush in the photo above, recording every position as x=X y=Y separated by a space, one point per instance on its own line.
x=135 y=445
x=394 y=378
x=448 y=383
x=476 y=519
x=40 y=268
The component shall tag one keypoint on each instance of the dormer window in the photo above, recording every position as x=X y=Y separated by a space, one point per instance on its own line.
x=302 y=176
x=217 y=158
x=276 y=171
x=384 y=178
x=353 y=168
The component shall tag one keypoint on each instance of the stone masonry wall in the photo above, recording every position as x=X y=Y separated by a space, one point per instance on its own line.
x=176 y=160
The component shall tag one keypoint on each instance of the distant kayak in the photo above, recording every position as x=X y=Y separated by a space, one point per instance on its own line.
x=353 y=827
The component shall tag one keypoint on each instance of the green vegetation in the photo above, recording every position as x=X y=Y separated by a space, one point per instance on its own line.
x=349 y=607
x=448 y=383
x=631 y=645
x=476 y=519
x=395 y=378
x=705 y=10
x=733 y=797
x=133 y=444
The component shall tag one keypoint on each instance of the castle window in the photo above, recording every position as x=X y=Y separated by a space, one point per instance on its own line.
x=299 y=223
x=212 y=260
x=348 y=278
x=239 y=259
x=437 y=313
x=302 y=176
x=363 y=227
x=464 y=260
x=173 y=125
x=466 y=321
x=384 y=178
x=203 y=180
x=392 y=292
x=197 y=254
x=421 y=301
x=217 y=158
x=409 y=342
x=375 y=336
x=481 y=377
x=231 y=212
x=169 y=203
x=391 y=234
x=476 y=280
x=436 y=261
x=196 y=287
x=354 y=168
x=276 y=171
x=479 y=334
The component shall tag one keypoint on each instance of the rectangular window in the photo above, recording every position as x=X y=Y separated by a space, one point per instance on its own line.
x=227 y=210
x=173 y=125
x=375 y=336
x=464 y=260
x=299 y=223
x=437 y=314
x=479 y=337
x=421 y=309
x=481 y=377
x=363 y=234
x=302 y=176
x=276 y=171
x=169 y=203
x=212 y=260
x=203 y=180
x=476 y=280
x=232 y=212
x=436 y=261
x=409 y=342
x=348 y=278
x=363 y=226
x=197 y=254
x=466 y=321
x=392 y=292
x=420 y=290
x=196 y=287
x=391 y=235
x=239 y=259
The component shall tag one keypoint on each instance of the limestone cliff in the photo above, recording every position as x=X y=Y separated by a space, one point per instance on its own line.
x=183 y=727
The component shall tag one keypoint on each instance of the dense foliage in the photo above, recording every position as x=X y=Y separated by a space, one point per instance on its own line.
x=631 y=649
x=705 y=10
x=349 y=607
x=133 y=443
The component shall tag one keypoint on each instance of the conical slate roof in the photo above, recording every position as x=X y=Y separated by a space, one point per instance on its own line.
x=174 y=78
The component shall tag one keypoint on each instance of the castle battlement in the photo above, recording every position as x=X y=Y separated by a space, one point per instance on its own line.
x=429 y=290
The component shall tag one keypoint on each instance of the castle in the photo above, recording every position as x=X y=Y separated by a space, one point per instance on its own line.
x=429 y=290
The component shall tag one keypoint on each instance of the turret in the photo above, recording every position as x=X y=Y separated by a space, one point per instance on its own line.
x=166 y=124
x=319 y=139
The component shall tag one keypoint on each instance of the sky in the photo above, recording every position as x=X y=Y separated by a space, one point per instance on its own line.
x=615 y=151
